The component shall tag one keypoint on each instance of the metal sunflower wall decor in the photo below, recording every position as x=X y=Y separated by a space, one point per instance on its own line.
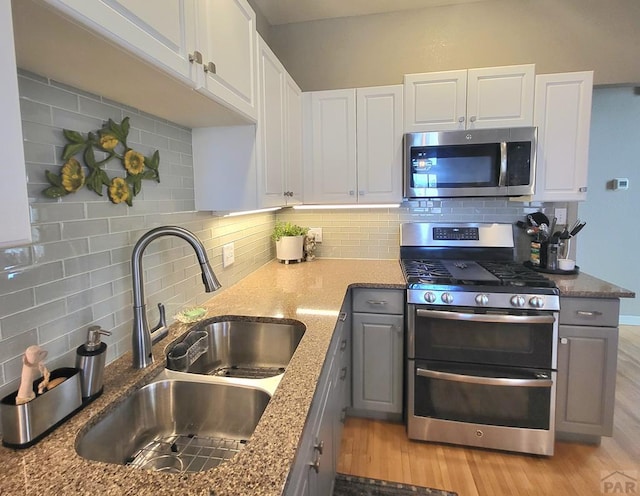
x=110 y=142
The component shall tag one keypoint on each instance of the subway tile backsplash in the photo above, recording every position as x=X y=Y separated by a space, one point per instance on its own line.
x=77 y=271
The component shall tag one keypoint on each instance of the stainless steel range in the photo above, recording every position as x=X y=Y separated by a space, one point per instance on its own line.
x=481 y=341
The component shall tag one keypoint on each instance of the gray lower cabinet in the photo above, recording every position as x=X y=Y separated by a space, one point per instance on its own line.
x=587 y=363
x=314 y=468
x=378 y=338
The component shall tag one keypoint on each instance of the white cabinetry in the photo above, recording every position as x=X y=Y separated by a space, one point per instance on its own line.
x=469 y=99
x=15 y=227
x=353 y=140
x=378 y=337
x=207 y=44
x=279 y=133
x=563 y=117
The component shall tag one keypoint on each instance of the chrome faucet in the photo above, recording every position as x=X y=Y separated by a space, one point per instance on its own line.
x=143 y=338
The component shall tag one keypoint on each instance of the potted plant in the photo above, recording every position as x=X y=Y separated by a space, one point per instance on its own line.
x=289 y=240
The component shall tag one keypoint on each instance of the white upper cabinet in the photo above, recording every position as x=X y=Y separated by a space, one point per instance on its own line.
x=15 y=226
x=161 y=32
x=353 y=140
x=563 y=118
x=279 y=132
x=207 y=44
x=227 y=41
x=483 y=98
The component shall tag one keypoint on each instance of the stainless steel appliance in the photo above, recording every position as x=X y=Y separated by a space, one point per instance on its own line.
x=481 y=341
x=484 y=162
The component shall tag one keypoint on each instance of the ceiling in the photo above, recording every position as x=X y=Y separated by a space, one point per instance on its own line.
x=289 y=11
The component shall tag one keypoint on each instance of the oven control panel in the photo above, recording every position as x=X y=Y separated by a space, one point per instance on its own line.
x=483 y=300
x=456 y=233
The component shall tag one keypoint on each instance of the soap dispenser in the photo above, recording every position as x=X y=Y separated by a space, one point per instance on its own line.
x=90 y=359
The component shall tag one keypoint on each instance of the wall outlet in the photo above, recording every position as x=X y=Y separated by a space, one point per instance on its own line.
x=561 y=215
x=318 y=232
x=228 y=254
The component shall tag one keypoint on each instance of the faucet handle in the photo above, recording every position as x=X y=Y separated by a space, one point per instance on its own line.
x=161 y=330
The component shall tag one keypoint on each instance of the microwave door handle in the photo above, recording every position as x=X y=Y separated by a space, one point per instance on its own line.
x=487 y=381
x=486 y=317
x=502 y=180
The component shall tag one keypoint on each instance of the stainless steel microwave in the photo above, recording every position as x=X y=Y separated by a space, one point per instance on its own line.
x=483 y=162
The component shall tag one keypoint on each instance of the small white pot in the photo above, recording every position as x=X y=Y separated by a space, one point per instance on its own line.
x=290 y=248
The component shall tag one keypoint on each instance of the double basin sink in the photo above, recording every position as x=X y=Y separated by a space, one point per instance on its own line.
x=194 y=418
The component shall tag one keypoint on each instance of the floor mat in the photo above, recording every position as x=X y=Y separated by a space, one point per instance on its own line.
x=349 y=485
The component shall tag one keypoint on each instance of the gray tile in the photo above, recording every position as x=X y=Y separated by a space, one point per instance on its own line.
x=40 y=92
x=72 y=89
x=180 y=146
x=16 y=302
x=86 y=263
x=154 y=141
x=123 y=254
x=39 y=153
x=60 y=250
x=84 y=228
x=143 y=123
x=33 y=317
x=17 y=257
x=35 y=112
x=106 y=209
x=15 y=346
x=129 y=223
x=56 y=348
x=112 y=305
x=31 y=75
x=110 y=273
x=109 y=241
x=56 y=327
x=91 y=107
x=90 y=296
x=75 y=121
x=54 y=212
x=17 y=280
x=34 y=132
x=62 y=287
x=170 y=131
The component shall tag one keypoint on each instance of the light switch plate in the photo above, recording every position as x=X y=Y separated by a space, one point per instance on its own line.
x=228 y=254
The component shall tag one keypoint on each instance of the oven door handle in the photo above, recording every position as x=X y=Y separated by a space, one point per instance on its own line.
x=488 y=381
x=485 y=317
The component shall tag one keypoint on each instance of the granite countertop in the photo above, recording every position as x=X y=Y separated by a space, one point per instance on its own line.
x=585 y=286
x=309 y=292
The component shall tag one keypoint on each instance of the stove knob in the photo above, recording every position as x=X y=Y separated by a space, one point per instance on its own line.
x=536 y=302
x=482 y=300
x=429 y=297
x=447 y=297
x=517 y=301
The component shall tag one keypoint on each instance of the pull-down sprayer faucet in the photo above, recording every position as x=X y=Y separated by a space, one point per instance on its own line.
x=143 y=338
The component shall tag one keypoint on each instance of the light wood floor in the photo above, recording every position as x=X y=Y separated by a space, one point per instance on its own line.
x=381 y=450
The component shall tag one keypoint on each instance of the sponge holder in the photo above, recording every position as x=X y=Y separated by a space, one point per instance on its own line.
x=184 y=353
x=24 y=425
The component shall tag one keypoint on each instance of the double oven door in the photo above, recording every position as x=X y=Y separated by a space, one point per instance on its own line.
x=482 y=378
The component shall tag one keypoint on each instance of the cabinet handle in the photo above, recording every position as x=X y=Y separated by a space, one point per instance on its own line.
x=343 y=415
x=564 y=341
x=351 y=192
x=343 y=316
x=343 y=345
x=461 y=119
x=376 y=302
x=343 y=373
x=582 y=189
x=587 y=313
x=472 y=118
x=318 y=446
x=315 y=464
x=361 y=192
x=196 y=57
x=210 y=67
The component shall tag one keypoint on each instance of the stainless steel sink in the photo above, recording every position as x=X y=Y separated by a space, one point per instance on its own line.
x=238 y=349
x=176 y=426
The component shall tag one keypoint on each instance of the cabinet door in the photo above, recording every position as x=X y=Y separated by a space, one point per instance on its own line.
x=227 y=39
x=271 y=127
x=161 y=32
x=379 y=144
x=293 y=141
x=15 y=227
x=322 y=472
x=563 y=117
x=435 y=101
x=500 y=96
x=332 y=128
x=587 y=362
x=377 y=362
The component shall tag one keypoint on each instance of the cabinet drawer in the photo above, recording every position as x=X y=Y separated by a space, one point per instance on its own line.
x=389 y=301
x=589 y=311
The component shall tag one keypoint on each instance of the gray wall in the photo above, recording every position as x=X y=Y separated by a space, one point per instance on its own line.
x=77 y=271
x=556 y=35
x=608 y=245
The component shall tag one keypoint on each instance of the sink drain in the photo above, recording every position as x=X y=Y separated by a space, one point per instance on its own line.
x=185 y=453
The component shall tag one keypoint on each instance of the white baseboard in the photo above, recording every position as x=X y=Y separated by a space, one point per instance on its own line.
x=630 y=319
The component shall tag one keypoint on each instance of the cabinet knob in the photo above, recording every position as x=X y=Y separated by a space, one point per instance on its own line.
x=361 y=192
x=315 y=464
x=473 y=118
x=461 y=119
x=343 y=415
x=564 y=340
x=351 y=192
x=196 y=57
x=318 y=446
x=210 y=67
x=343 y=373
x=343 y=345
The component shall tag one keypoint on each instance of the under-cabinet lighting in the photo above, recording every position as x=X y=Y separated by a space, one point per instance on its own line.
x=316 y=311
x=247 y=212
x=343 y=206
